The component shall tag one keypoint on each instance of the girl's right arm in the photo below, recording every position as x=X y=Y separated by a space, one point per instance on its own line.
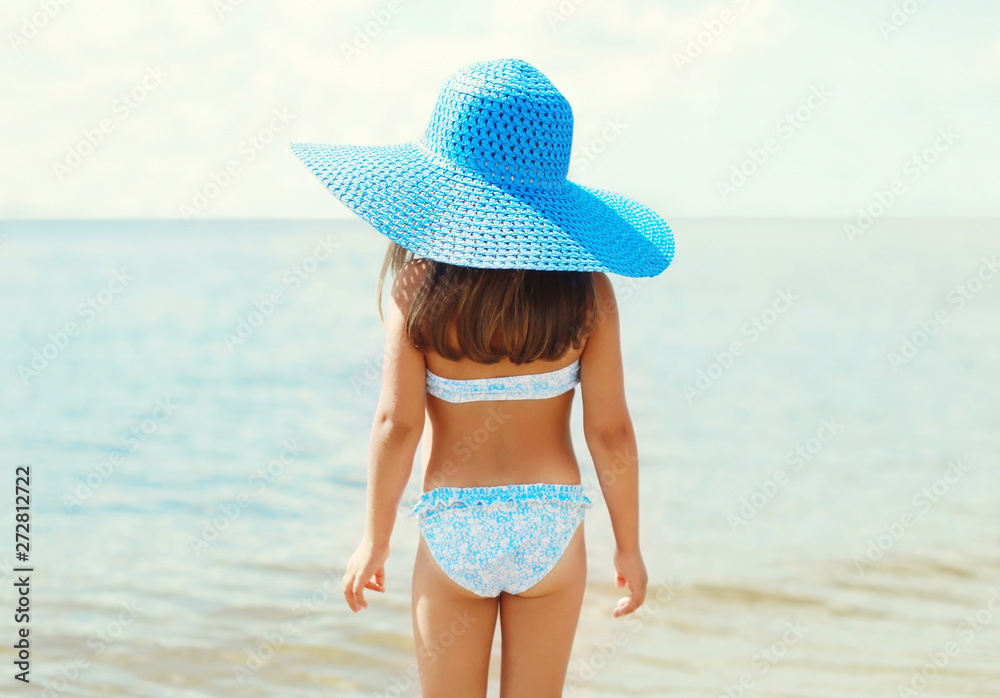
x=610 y=438
x=396 y=431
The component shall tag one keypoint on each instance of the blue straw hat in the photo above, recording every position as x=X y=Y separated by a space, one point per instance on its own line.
x=486 y=185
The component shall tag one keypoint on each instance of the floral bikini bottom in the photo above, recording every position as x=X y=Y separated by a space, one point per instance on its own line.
x=495 y=539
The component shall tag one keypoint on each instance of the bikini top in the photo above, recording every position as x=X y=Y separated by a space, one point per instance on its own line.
x=532 y=386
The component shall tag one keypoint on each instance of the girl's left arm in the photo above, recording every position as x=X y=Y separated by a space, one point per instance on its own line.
x=398 y=424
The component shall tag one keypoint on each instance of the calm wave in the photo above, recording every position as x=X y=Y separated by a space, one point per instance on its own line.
x=816 y=420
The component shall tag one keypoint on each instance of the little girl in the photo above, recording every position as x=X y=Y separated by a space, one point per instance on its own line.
x=500 y=306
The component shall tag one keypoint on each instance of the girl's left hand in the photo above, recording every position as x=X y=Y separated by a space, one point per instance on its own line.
x=365 y=570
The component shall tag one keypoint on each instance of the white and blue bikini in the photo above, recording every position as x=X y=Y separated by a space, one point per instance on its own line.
x=524 y=387
x=507 y=538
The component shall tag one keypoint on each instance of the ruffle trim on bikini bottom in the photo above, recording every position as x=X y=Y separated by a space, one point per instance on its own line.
x=501 y=498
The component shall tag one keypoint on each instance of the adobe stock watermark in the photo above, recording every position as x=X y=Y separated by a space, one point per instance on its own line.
x=583 y=671
x=367 y=375
x=32 y=25
x=430 y=652
x=622 y=463
x=923 y=501
x=751 y=505
x=753 y=329
x=563 y=11
x=380 y=20
x=959 y=295
x=937 y=661
x=260 y=480
x=134 y=438
x=88 y=311
x=914 y=168
x=613 y=128
x=765 y=659
x=464 y=448
x=371 y=370
x=625 y=289
x=292 y=278
x=698 y=43
x=331 y=587
x=901 y=13
x=787 y=126
x=225 y=7
x=121 y=109
x=258 y=655
x=96 y=643
x=220 y=180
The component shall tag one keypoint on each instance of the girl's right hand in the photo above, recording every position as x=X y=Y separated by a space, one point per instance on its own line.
x=631 y=571
x=365 y=570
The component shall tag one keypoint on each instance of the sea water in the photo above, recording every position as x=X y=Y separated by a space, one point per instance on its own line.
x=816 y=416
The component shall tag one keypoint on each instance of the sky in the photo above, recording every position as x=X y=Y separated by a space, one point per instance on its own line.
x=770 y=108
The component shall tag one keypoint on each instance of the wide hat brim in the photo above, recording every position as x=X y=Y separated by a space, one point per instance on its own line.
x=439 y=211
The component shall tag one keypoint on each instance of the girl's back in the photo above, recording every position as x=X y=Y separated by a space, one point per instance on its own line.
x=500 y=307
x=496 y=442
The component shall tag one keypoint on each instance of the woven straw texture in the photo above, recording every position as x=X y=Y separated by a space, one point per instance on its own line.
x=486 y=186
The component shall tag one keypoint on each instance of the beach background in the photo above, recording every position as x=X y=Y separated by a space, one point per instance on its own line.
x=239 y=493
x=190 y=349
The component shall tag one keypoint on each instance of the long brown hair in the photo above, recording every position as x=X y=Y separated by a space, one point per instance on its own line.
x=523 y=314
